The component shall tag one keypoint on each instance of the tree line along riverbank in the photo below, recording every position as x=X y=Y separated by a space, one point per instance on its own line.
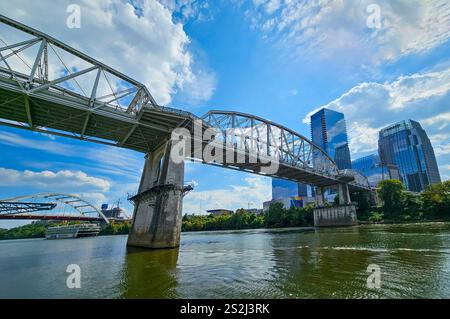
x=397 y=206
x=37 y=229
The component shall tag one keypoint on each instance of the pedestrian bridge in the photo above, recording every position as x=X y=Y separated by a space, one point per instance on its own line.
x=47 y=86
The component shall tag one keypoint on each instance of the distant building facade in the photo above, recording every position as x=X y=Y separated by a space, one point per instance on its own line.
x=371 y=167
x=290 y=193
x=406 y=145
x=113 y=212
x=284 y=189
x=289 y=202
x=329 y=131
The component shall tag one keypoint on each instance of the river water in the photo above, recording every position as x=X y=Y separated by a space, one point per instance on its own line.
x=285 y=263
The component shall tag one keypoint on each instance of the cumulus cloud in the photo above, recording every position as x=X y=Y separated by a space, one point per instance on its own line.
x=255 y=191
x=104 y=159
x=140 y=40
x=193 y=10
x=319 y=28
x=443 y=149
x=62 y=181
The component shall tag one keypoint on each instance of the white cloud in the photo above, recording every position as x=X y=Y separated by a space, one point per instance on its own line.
x=61 y=181
x=339 y=28
x=105 y=159
x=255 y=191
x=193 y=10
x=443 y=149
x=144 y=43
x=15 y=140
x=200 y=87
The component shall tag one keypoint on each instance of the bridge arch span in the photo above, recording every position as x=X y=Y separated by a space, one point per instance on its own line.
x=21 y=206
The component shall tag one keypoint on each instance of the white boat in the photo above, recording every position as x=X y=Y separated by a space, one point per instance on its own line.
x=72 y=231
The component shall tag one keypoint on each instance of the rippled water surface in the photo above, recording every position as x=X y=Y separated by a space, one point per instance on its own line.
x=290 y=263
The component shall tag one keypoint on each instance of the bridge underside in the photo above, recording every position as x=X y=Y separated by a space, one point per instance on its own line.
x=65 y=116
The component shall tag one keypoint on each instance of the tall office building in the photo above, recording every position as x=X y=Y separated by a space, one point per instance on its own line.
x=328 y=130
x=406 y=145
x=371 y=167
x=283 y=189
x=290 y=194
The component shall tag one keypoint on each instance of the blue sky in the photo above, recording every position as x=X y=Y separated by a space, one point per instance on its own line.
x=277 y=59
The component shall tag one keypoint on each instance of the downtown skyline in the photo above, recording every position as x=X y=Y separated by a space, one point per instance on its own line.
x=377 y=85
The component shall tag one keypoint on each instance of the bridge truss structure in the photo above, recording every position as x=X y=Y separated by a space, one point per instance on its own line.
x=50 y=206
x=299 y=158
x=50 y=87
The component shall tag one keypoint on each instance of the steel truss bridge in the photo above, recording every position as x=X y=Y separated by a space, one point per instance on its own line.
x=50 y=206
x=50 y=87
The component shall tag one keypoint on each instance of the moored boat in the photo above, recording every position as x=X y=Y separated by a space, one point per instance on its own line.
x=72 y=231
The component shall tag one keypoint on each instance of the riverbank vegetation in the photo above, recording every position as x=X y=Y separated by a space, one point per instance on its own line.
x=37 y=229
x=399 y=205
x=275 y=217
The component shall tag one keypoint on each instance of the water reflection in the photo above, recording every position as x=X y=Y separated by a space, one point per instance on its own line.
x=333 y=262
x=149 y=274
x=326 y=263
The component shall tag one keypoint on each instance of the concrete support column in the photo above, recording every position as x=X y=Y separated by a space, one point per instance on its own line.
x=344 y=194
x=320 y=196
x=158 y=204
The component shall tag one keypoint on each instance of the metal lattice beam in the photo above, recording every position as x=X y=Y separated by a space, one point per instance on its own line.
x=24 y=207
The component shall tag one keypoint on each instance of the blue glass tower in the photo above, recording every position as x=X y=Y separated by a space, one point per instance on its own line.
x=328 y=130
x=406 y=145
x=371 y=167
x=284 y=189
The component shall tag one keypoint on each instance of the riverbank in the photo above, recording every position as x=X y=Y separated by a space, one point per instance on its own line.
x=38 y=229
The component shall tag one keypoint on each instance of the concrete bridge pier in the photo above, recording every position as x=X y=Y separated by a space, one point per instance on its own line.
x=158 y=204
x=320 y=196
x=344 y=194
x=342 y=215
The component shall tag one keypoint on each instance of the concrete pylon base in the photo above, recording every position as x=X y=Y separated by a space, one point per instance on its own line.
x=158 y=204
x=342 y=215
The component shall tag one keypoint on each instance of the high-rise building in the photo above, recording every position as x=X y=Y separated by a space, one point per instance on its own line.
x=371 y=167
x=284 y=189
x=328 y=130
x=290 y=194
x=406 y=145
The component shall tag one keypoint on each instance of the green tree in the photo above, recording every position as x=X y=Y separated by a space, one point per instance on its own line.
x=435 y=200
x=336 y=200
x=274 y=216
x=390 y=192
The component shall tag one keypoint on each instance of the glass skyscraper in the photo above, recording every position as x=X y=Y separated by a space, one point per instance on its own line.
x=283 y=189
x=406 y=145
x=370 y=166
x=328 y=130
